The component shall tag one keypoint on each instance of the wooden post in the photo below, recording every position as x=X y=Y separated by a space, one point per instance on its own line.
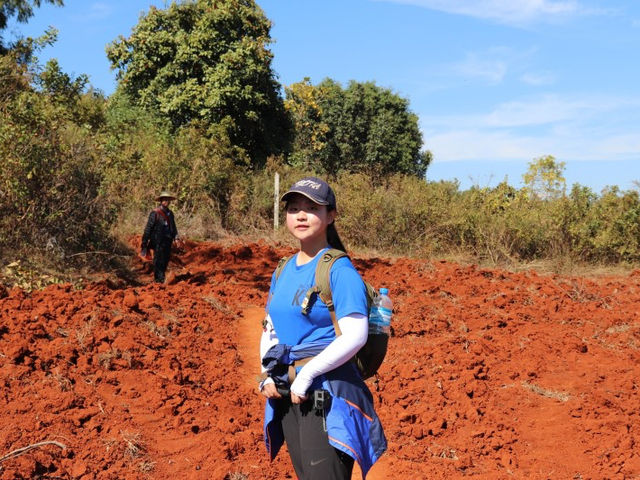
x=276 y=200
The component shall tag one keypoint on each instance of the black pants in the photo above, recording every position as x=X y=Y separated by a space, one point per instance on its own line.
x=312 y=456
x=160 y=261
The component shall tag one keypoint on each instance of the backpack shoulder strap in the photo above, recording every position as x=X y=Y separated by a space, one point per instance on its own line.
x=283 y=261
x=322 y=286
x=161 y=212
x=323 y=275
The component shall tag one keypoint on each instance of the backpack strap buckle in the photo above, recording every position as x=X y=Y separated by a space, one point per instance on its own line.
x=307 y=301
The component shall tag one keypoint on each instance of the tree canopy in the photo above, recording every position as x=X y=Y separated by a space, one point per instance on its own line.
x=206 y=61
x=23 y=9
x=361 y=128
x=544 y=178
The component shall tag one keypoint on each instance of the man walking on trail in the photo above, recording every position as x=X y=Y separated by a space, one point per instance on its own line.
x=159 y=234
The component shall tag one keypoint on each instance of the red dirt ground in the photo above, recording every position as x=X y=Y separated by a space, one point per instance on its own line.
x=490 y=374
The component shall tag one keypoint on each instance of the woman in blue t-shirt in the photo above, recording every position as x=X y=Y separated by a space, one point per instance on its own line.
x=326 y=414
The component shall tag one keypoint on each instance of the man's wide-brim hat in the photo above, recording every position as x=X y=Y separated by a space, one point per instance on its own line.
x=165 y=196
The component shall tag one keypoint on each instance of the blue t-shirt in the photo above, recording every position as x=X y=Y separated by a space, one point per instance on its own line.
x=287 y=293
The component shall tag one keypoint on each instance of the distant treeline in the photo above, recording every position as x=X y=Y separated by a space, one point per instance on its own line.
x=198 y=111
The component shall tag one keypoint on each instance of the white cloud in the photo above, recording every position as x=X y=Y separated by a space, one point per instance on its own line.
x=96 y=11
x=491 y=65
x=537 y=79
x=625 y=145
x=515 y=12
x=474 y=66
x=576 y=128
x=542 y=110
x=477 y=144
x=538 y=111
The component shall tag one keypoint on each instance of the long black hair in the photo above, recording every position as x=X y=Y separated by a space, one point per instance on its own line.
x=333 y=239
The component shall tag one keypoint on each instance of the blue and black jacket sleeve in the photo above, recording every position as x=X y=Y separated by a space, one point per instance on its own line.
x=148 y=230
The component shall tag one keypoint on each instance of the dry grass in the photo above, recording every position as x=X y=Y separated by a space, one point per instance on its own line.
x=443 y=451
x=573 y=268
x=63 y=382
x=146 y=466
x=560 y=266
x=134 y=447
x=424 y=267
x=219 y=306
x=82 y=333
x=236 y=476
x=562 y=396
x=160 y=332
x=106 y=358
x=622 y=328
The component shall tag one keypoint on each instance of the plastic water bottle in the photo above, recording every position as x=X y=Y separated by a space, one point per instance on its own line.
x=380 y=314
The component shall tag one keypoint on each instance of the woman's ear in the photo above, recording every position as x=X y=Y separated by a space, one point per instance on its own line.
x=331 y=216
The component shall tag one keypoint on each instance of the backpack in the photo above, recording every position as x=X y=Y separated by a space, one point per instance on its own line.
x=369 y=358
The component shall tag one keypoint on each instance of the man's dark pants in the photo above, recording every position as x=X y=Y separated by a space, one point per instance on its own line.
x=161 y=261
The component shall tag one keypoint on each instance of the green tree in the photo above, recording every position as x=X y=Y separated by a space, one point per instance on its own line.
x=23 y=9
x=49 y=180
x=545 y=179
x=363 y=128
x=206 y=61
x=310 y=136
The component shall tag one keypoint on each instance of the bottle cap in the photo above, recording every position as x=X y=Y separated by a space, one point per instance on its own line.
x=384 y=291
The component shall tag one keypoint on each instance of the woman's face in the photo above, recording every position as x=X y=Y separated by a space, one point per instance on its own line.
x=307 y=221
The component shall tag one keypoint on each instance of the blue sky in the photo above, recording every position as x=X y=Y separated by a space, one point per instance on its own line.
x=495 y=83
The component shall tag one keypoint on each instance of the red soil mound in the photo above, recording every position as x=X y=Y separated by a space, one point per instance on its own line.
x=490 y=374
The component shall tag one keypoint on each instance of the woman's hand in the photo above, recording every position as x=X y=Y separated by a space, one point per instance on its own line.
x=297 y=399
x=269 y=390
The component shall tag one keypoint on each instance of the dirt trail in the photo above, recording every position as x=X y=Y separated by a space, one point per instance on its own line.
x=490 y=374
x=249 y=342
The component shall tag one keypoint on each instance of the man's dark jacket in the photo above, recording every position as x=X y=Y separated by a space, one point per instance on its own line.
x=160 y=230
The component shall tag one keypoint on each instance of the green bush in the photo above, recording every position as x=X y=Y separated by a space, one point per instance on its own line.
x=404 y=214
x=610 y=230
x=49 y=183
x=74 y=165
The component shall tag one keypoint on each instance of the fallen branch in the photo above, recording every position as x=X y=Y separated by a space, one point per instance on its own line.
x=22 y=450
x=97 y=252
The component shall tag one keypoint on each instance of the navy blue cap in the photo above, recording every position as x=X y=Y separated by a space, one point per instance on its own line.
x=315 y=189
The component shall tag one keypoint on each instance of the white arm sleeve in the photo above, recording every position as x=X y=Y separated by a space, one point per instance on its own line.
x=355 y=329
x=267 y=340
